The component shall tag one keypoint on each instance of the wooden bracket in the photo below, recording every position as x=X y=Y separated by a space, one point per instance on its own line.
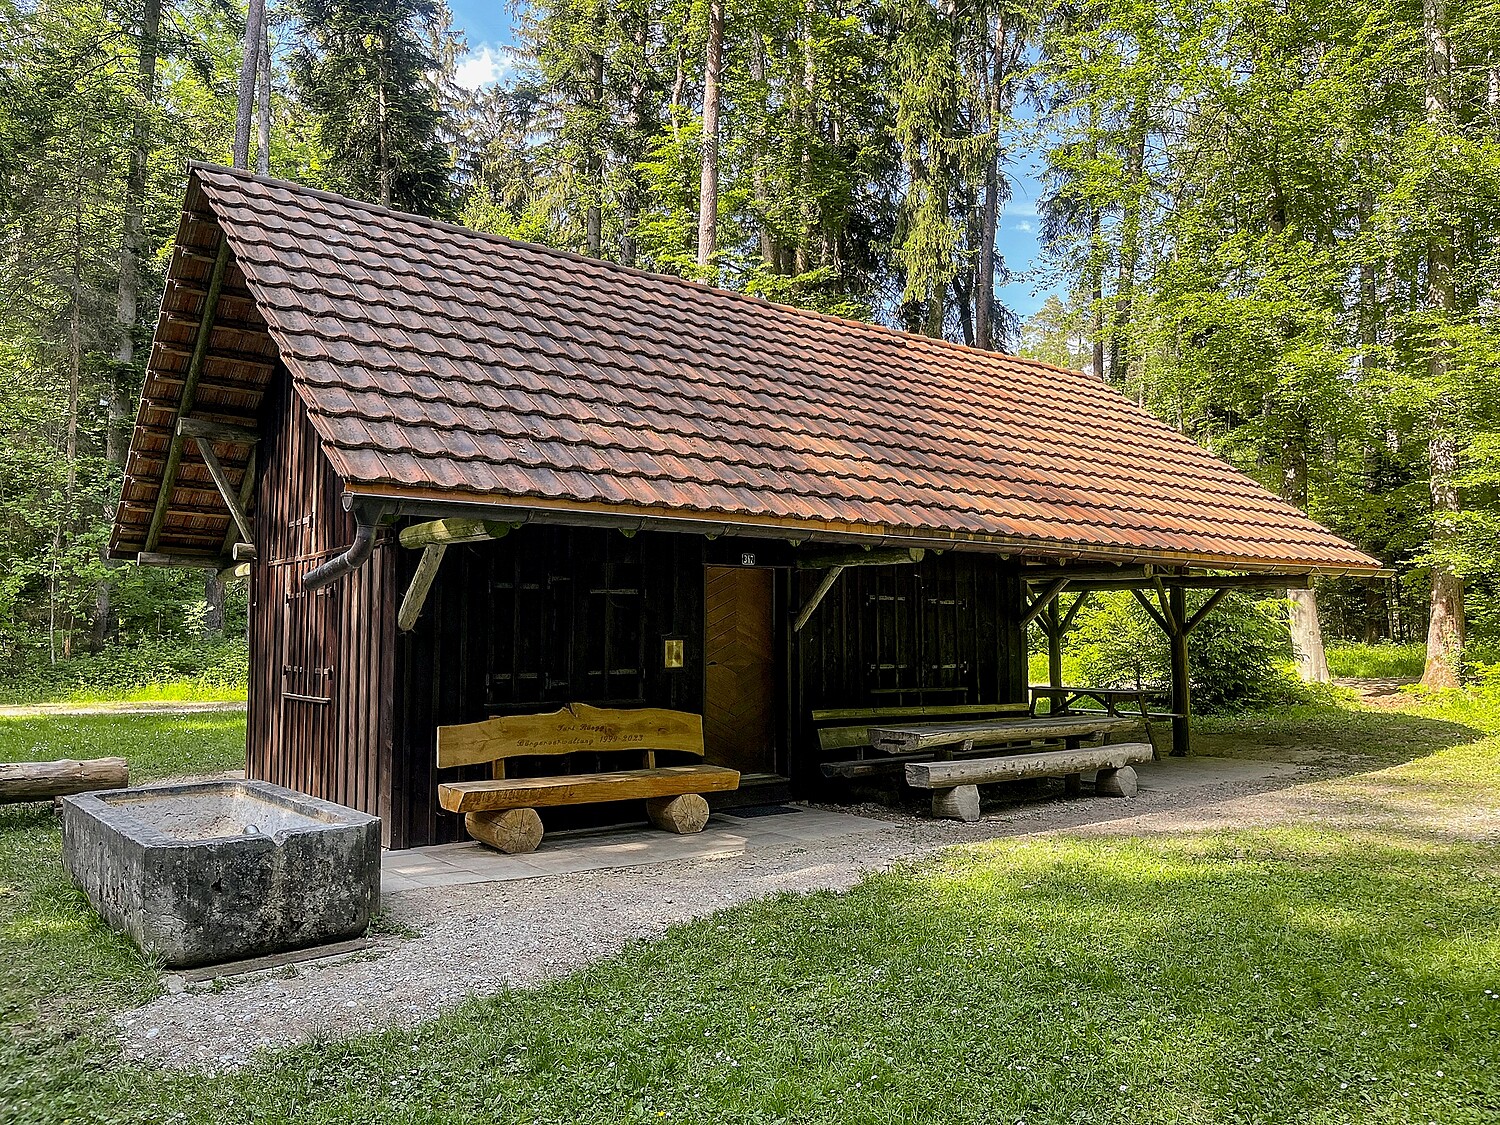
x=804 y=615
x=1146 y=604
x=221 y=482
x=1043 y=600
x=230 y=573
x=1203 y=611
x=421 y=583
x=189 y=393
x=1078 y=602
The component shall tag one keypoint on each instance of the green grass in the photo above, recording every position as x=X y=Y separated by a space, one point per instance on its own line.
x=169 y=670
x=1298 y=972
x=1376 y=661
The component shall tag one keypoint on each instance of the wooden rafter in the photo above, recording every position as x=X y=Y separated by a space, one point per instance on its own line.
x=889 y=557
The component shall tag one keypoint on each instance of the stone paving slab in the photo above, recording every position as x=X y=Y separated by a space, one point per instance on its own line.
x=565 y=853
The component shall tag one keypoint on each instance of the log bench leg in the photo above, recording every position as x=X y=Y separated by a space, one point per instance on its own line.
x=1073 y=784
x=512 y=831
x=683 y=815
x=1117 y=783
x=959 y=803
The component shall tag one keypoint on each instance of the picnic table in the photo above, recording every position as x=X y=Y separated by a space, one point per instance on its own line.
x=912 y=738
x=1110 y=700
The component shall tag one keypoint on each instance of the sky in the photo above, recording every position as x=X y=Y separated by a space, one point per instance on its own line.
x=488 y=25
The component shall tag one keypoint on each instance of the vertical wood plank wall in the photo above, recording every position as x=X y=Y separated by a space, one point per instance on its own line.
x=322 y=665
x=554 y=615
x=543 y=617
x=944 y=631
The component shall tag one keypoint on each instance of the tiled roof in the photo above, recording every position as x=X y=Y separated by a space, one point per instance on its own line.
x=440 y=363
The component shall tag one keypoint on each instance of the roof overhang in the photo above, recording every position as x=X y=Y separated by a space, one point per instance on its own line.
x=421 y=504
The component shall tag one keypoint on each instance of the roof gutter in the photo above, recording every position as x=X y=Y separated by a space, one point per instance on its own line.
x=367 y=519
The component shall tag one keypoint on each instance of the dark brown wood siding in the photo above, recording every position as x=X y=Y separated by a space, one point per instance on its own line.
x=543 y=617
x=321 y=664
x=552 y=615
x=944 y=631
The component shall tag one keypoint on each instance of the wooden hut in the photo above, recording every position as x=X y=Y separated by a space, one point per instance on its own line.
x=467 y=477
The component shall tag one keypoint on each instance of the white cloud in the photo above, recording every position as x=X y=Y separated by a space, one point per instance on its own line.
x=481 y=68
x=1025 y=228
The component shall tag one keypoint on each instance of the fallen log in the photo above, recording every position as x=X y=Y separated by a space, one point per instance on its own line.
x=41 y=781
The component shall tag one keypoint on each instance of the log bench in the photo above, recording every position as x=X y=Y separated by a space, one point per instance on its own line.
x=955 y=784
x=501 y=811
x=955 y=794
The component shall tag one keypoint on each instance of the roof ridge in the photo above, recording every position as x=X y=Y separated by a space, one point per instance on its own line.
x=846 y=323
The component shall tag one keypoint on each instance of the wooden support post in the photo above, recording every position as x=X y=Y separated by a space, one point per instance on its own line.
x=1182 y=703
x=805 y=614
x=421 y=582
x=1054 y=628
x=189 y=393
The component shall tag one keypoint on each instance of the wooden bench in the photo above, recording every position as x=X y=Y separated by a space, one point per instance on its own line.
x=501 y=811
x=954 y=780
x=843 y=730
x=955 y=784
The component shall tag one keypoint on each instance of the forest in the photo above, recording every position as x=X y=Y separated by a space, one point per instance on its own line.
x=1274 y=223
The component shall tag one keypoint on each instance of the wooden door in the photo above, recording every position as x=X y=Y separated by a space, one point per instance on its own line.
x=739 y=698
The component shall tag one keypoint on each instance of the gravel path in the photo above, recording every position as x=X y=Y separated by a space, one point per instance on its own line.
x=479 y=939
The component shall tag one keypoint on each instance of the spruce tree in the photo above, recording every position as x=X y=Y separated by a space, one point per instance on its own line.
x=362 y=68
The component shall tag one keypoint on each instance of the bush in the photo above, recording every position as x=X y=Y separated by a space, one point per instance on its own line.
x=1239 y=657
x=185 y=670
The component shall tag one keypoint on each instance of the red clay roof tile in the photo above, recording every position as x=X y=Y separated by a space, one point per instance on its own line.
x=441 y=362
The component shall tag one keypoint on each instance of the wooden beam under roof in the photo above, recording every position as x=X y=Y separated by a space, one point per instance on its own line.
x=189 y=394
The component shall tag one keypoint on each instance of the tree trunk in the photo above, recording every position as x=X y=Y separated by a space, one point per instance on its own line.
x=1130 y=249
x=594 y=160
x=804 y=255
x=263 y=103
x=249 y=66
x=984 y=283
x=213 y=596
x=633 y=192
x=1096 y=268
x=768 y=255
x=708 y=193
x=1302 y=605
x=1445 y=630
x=382 y=125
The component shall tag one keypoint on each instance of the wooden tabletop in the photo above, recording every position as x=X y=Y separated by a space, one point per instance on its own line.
x=906 y=738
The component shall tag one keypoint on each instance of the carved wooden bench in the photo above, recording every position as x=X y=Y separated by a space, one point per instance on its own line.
x=501 y=811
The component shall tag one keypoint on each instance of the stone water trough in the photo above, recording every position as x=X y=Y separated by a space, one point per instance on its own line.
x=215 y=871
